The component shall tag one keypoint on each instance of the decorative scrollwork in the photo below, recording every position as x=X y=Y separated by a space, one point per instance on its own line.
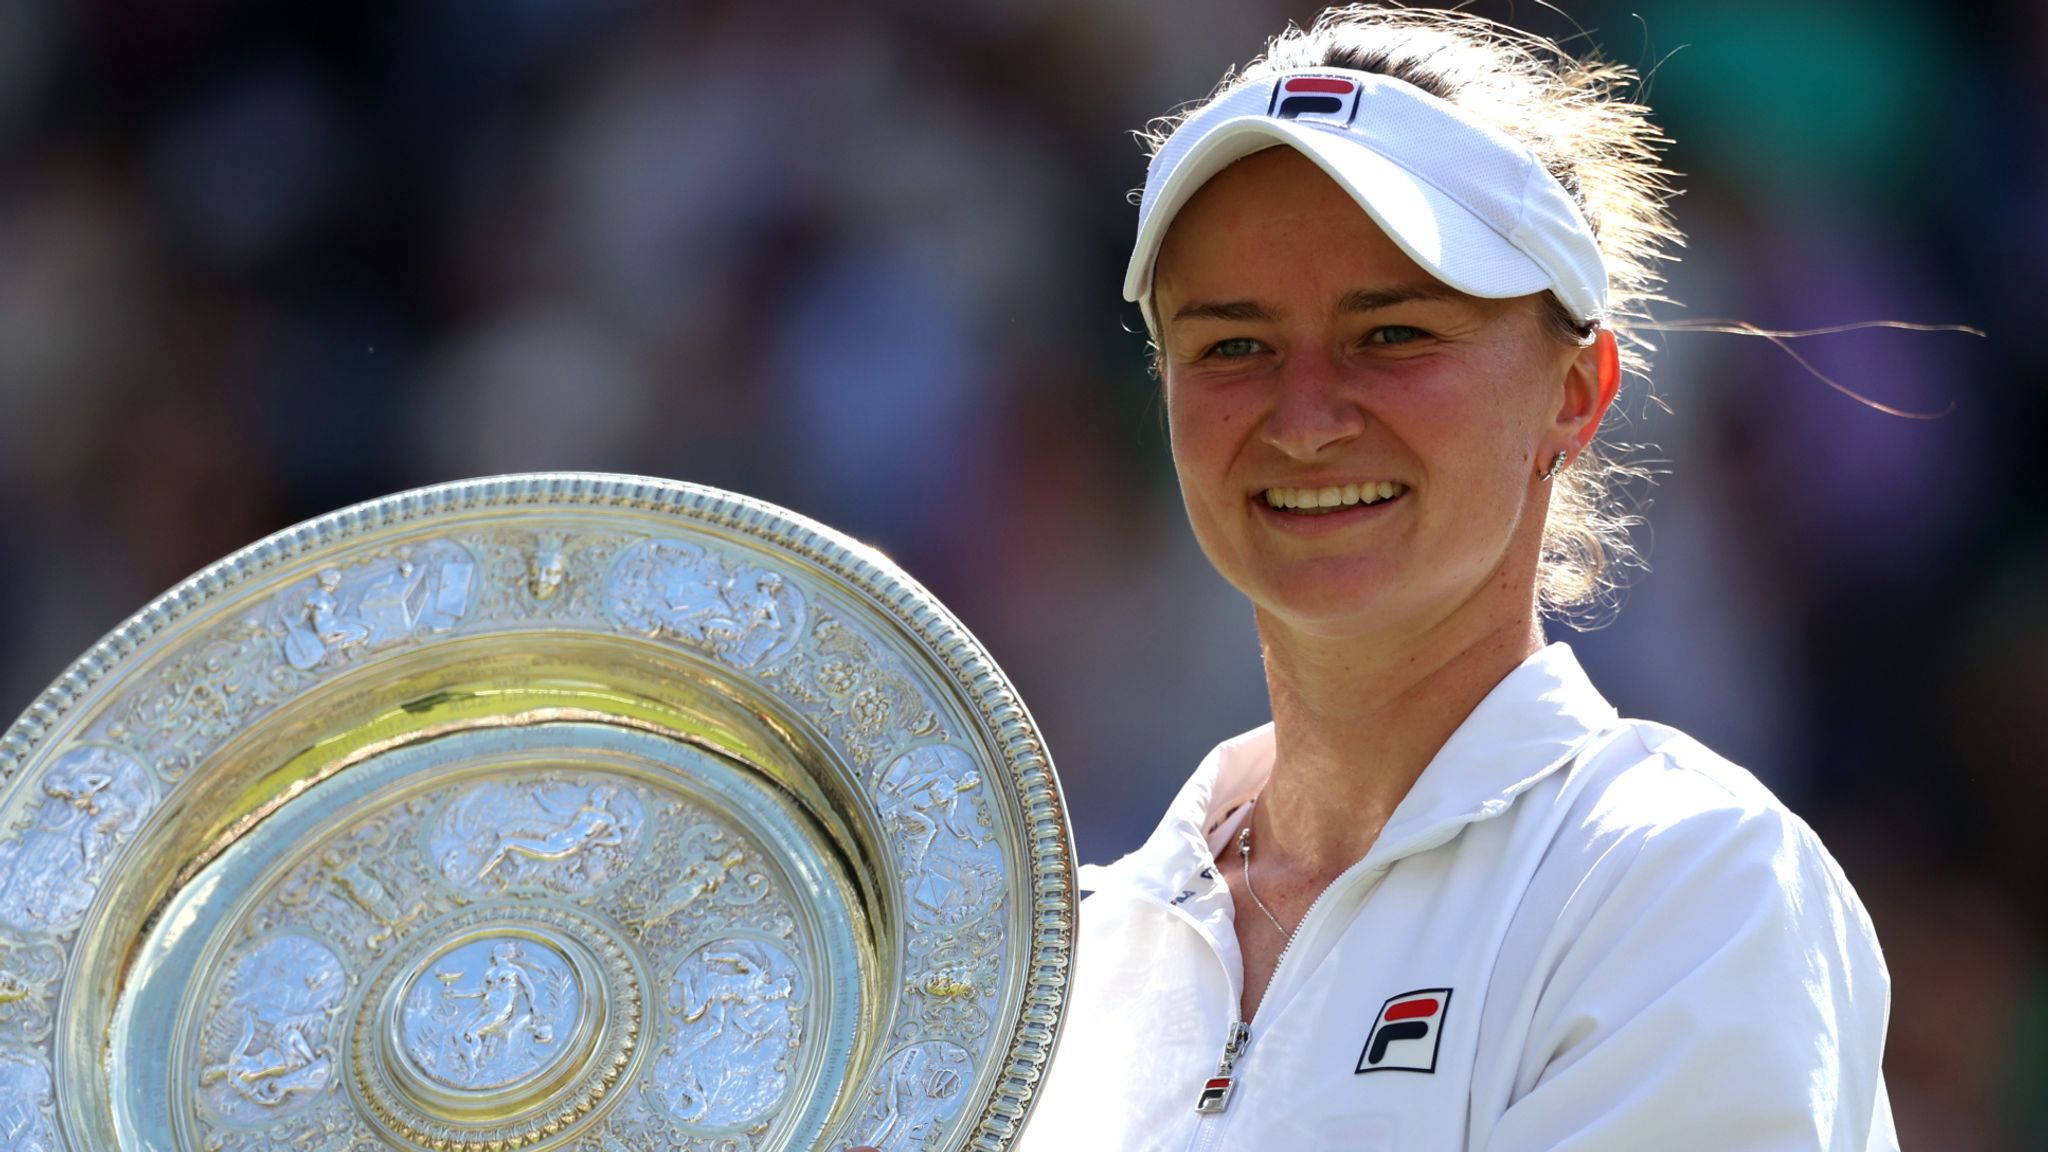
x=856 y=691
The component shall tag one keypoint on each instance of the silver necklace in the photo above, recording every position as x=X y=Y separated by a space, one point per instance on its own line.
x=1244 y=856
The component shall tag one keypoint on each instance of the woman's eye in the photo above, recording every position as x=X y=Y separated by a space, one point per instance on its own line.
x=1237 y=347
x=1395 y=334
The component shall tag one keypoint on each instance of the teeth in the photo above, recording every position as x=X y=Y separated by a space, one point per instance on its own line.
x=1315 y=499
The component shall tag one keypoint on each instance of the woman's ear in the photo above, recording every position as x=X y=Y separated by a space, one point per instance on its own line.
x=1590 y=386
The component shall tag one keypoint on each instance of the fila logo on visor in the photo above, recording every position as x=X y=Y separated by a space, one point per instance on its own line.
x=1405 y=1034
x=1330 y=100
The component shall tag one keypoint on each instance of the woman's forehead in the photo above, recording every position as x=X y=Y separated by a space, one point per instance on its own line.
x=1275 y=216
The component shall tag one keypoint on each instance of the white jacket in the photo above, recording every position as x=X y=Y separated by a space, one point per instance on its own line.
x=1575 y=932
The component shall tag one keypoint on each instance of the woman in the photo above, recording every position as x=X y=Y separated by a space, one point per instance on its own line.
x=1447 y=899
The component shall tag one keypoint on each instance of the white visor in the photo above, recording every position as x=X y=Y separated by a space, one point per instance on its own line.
x=1471 y=205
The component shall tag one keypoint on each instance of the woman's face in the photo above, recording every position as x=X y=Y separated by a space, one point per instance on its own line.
x=1304 y=352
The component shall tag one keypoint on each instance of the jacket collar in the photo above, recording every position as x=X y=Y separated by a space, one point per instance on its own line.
x=1532 y=724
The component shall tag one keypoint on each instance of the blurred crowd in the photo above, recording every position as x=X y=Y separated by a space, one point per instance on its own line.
x=260 y=261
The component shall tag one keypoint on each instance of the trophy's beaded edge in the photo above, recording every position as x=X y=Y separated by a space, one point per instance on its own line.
x=1047 y=828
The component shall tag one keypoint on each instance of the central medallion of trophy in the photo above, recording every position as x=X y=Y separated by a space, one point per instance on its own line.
x=497 y=1012
x=506 y=1023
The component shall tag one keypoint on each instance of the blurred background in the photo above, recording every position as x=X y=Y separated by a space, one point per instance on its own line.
x=260 y=261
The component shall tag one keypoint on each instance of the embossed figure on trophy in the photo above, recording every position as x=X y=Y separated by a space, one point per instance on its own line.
x=264 y=1050
x=752 y=620
x=505 y=1007
x=547 y=567
x=95 y=799
x=593 y=825
x=931 y=795
x=322 y=627
x=367 y=892
x=712 y=865
x=424 y=588
x=496 y=1011
x=25 y=1094
x=106 y=817
x=922 y=1086
x=740 y=613
x=287 y=1066
x=735 y=1001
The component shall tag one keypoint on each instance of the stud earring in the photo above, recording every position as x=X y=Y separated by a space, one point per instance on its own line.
x=1556 y=462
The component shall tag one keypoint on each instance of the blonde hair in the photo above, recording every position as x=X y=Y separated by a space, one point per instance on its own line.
x=1577 y=115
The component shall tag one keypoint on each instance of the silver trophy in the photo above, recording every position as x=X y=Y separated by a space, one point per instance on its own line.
x=544 y=812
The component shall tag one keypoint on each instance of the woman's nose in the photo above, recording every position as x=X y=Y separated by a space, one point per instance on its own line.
x=1314 y=410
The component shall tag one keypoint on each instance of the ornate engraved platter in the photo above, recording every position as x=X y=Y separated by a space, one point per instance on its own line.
x=544 y=812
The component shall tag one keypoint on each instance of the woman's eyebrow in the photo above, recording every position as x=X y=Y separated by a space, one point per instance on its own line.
x=1359 y=300
x=1374 y=299
x=1241 y=311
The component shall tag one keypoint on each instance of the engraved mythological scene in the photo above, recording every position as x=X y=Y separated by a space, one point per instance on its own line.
x=738 y=612
x=737 y=1003
x=491 y=1013
x=268 y=1045
x=563 y=836
x=344 y=612
x=93 y=799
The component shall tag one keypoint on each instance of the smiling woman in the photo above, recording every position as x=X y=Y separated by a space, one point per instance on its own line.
x=1388 y=271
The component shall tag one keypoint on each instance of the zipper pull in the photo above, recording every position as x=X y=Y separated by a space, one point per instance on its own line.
x=1216 y=1090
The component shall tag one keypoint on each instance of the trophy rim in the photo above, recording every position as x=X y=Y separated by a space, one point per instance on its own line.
x=1048 y=879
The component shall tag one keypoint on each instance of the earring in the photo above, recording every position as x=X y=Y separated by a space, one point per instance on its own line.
x=1556 y=462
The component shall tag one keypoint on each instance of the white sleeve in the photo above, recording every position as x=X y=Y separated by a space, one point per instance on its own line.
x=1712 y=984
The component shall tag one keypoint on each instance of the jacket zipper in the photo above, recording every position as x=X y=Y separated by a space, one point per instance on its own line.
x=1217 y=1090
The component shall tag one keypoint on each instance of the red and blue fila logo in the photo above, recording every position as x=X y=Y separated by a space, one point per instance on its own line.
x=1406 y=1033
x=1317 y=99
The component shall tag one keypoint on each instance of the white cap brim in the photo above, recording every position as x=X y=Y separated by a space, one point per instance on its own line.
x=1437 y=232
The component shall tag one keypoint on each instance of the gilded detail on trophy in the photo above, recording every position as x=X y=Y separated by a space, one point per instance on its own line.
x=741 y=613
x=491 y=1013
x=93 y=800
x=560 y=835
x=738 y=1004
x=30 y=975
x=266 y=1049
x=374 y=604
